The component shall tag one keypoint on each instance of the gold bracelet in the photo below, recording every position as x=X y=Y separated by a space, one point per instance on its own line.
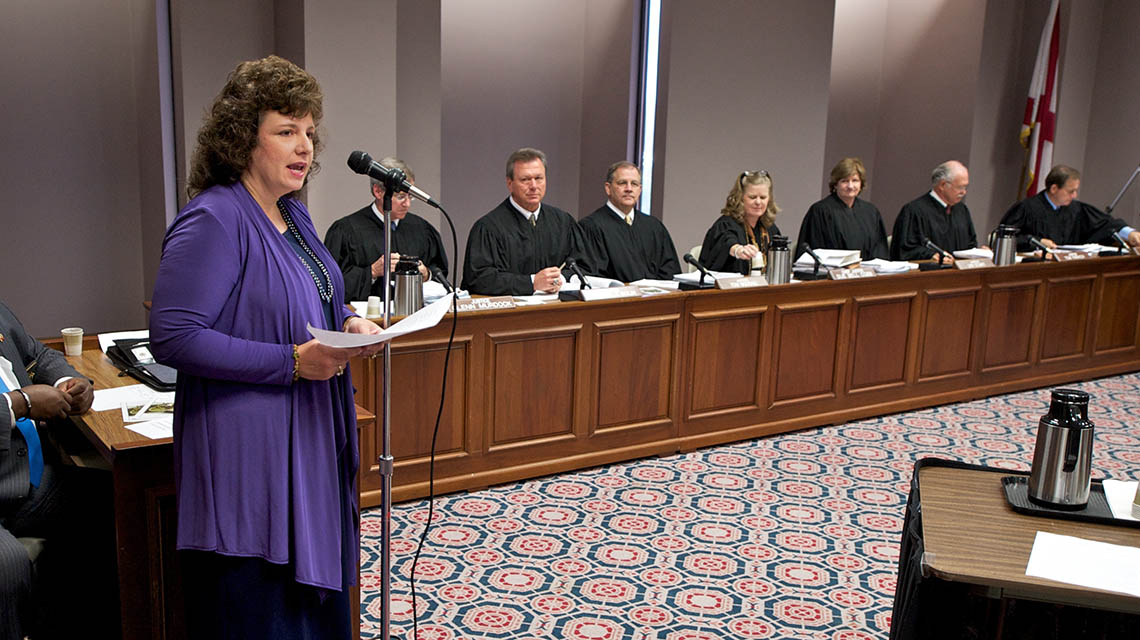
x=296 y=363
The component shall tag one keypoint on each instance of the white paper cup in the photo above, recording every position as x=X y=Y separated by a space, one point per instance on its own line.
x=72 y=340
x=373 y=307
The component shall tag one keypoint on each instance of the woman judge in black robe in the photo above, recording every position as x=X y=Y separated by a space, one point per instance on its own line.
x=741 y=235
x=842 y=220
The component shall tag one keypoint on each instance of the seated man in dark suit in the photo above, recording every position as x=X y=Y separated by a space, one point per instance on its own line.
x=939 y=216
x=521 y=246
x=1056 y=217
x=356 y=241
x=60 y=504
x=623 y=243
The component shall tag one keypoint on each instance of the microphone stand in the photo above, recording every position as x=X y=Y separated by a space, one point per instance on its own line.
x=1120 y=195
x=385 y=461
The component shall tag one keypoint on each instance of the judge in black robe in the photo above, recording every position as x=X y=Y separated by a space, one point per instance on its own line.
x=1075 y=223
x=356 y=241
x=940 y=216
x=751 y=197
x=621 y=242
x=842 y=220
x=504 y=250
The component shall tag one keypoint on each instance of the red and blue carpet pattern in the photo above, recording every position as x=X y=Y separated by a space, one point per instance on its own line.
x=792 y=536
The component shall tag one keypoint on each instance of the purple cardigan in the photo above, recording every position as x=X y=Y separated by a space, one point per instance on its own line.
x=255 y=454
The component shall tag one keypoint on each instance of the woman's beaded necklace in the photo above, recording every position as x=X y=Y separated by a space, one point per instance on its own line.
x=325 y=290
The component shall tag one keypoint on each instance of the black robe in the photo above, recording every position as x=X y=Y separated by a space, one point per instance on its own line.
x=504 y=250
x=628 y=253
x=830 y=224
x=724 y=233
x=357 y=240
x=1077 y=223
x=924 y=218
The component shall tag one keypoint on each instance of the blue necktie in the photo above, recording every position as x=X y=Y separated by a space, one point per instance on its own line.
x=32 y=438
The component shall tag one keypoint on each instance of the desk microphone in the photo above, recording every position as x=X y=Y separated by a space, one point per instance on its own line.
x=393 y=180
x=700 y=267
x=437 y=273
x=572 y=265
x=1033 y=240
x=935 y=248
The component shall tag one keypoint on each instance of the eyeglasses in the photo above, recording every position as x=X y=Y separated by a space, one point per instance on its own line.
x=753 y=174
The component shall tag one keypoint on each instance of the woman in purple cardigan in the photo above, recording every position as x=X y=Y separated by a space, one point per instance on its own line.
x=265 y=447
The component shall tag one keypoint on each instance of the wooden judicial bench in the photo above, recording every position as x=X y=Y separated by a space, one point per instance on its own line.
x=538 y=390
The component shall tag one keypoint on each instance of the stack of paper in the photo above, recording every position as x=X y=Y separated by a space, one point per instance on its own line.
x=829 y=258
x=972 y=254
x=889 y=266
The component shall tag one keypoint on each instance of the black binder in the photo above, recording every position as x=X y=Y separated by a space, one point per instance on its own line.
x=133 y=357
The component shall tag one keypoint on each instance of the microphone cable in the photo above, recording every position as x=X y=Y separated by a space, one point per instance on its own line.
x=435 y=430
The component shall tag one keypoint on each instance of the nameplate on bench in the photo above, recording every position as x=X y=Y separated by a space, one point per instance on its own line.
x=851 y=274
x=1074 y=255
x=484 y=304
x=743 y=282
x=973 y=263
x=610 y=293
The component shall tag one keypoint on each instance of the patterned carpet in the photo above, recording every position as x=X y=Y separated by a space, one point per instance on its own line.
x=792 y=536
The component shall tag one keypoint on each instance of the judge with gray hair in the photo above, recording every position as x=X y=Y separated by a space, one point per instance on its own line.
x=939 y=216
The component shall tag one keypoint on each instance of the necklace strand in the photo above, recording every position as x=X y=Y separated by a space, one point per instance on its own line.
x=325 y=290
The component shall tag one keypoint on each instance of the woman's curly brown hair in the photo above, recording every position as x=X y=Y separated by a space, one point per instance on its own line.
x=229 y=131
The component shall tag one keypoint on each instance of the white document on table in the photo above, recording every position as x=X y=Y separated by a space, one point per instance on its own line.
x=425 y=318
x=1087 y=563
x=106 y=340
x=154 y=429
x=1119 y=495
x=135 y=394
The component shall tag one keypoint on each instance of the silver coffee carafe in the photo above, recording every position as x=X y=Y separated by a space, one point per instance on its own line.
x=779 y=268
x=409 y=285
x=1062 y=458
x=1005 y=245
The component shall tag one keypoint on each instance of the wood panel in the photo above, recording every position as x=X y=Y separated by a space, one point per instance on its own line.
x=806 y=337
x=417 y=377
x=530 y=389
x=1119 y=307
x=1066 y=317
x=724 y=354
x=948 y=319
x=635 y=372
x=880 y=334
x=1010 y=324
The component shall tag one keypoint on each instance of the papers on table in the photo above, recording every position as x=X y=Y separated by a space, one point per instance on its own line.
x=975 y=253
x=1091 y=247
x=538 y=298
x=425 y=318
x=889 y=266
x=1120 y=495
x=659 y=284
x=135 y=394
x=153 y=429
x=693 y=277
x=1097 y=565
x=829 y=258
x=107 y=340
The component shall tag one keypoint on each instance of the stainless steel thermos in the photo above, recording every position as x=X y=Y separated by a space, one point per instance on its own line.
x=779 y=261
x=409 y=285
x=1005 y=246
x=1062 y=458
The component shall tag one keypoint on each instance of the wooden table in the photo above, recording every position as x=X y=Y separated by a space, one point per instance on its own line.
x=972 y=536
x=142 y=469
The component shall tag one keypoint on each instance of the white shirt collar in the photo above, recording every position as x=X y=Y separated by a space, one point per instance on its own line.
x=610 y=204
x=380 y=215
x=937 y=199
x=522 y=210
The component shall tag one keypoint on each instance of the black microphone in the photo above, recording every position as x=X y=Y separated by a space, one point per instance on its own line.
x=818 y=261
x=394 y=180
x=572 y=265
x=1033 y=240
x=935 y=248
x=700 y=267
x=437 y=273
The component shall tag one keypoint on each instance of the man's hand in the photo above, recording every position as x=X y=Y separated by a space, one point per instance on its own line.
x=549 y=280
x=378 y=267
x=48 y=403
x=1048 y=243
x=79 y=393
x=1134 y=239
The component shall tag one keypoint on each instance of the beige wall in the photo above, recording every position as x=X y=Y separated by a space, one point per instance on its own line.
x=747 y=89
x=784 y=86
